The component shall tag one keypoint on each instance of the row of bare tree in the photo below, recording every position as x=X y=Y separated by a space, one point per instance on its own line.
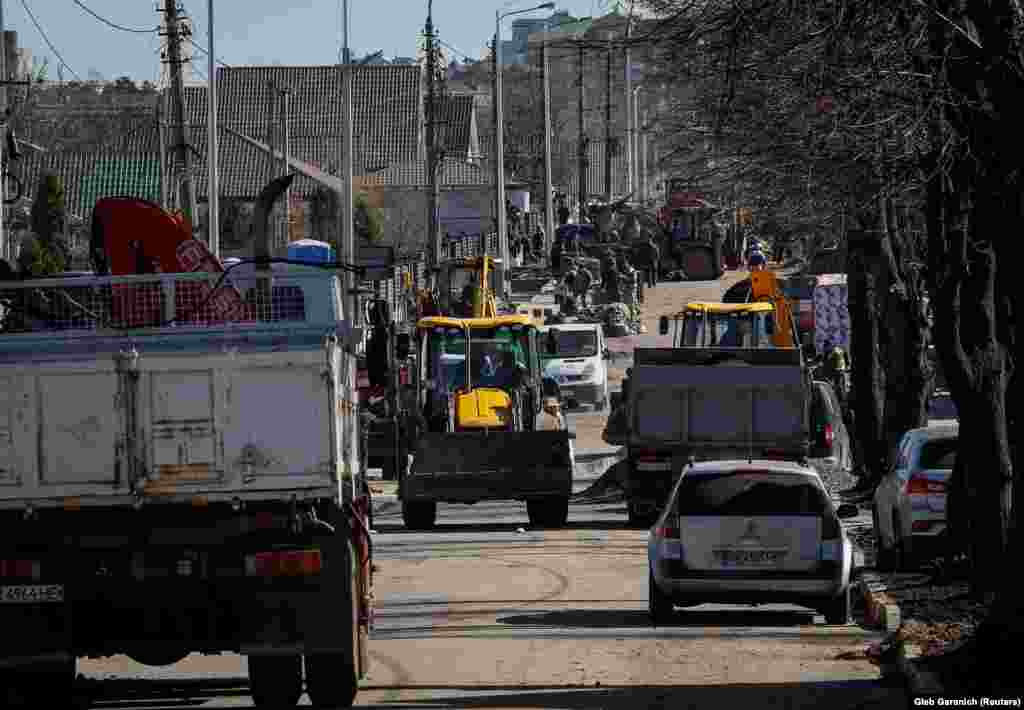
x=893 y=125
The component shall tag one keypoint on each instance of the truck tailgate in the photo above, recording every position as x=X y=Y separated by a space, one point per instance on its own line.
x=724 y=406
x=214 y=424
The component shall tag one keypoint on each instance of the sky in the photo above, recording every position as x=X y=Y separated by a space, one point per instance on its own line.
x=255 y=31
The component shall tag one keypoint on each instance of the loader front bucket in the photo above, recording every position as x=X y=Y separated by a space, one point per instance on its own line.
x=466 y=467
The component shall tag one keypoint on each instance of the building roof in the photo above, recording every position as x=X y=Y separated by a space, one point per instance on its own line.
x=455 y=173
x=386 y=104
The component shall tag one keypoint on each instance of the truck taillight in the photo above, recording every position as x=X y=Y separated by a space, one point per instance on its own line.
x=920 y=486
x=667 y=533
x=286 y=563
x=22 y=569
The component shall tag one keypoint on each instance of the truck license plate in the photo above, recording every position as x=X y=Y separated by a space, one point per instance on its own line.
x=748 y=558
x=32 y=594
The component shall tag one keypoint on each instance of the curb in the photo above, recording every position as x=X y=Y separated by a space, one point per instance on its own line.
x=880 y=610
x=920 y=682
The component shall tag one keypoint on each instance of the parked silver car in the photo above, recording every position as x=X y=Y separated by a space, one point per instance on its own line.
x=910 y=500
x=750 y=532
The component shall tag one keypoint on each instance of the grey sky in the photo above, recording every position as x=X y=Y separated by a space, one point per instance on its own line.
x=257 y=31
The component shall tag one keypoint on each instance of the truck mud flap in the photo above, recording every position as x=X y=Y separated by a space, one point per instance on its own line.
x=471 y=466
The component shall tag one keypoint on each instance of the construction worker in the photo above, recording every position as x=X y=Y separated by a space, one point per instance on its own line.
x=653 y=262
x=556 y=256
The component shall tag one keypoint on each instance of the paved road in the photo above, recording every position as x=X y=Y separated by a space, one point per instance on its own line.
x=485 y=612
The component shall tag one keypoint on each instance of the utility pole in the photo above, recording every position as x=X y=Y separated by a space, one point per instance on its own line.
x=498 y=207
x=272 y=156
x=549 y=207
x=212 y=159
x=285 y=137
x=183 y=162
x=630 y=122
x=433 y=231
x=608 y=124
x=581 y=156
x=4 y=246
x=499 y=159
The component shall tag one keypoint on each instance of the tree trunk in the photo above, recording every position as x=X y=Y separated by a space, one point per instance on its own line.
x=868 y=376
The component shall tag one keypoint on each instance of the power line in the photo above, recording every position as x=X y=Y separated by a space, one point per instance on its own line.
x=46 y=39
x=112 y=24
x=201 y=49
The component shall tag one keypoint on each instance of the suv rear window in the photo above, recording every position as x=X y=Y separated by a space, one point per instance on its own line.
x=940 y=453
x=750 y=493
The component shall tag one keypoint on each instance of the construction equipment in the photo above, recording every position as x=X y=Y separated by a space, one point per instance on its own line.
x=465 y=289
x=765 y=288
x=480 y=394
x=729 y=386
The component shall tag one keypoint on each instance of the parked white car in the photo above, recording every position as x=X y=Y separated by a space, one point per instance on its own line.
x=581 y=365
x=910 y=500
x=750 y=532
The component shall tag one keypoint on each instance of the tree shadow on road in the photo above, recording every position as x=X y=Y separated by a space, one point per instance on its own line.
x=839 y=695
x=637 y=618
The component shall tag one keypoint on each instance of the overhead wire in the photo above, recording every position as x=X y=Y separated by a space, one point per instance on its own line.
x=46 y=39
x=113 y=24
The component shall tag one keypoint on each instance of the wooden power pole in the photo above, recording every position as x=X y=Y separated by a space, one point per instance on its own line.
x=183 y=158
x=581 y=157
x=608 y=127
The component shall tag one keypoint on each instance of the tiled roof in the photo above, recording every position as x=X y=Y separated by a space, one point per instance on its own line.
x=456 y=120
x=130 y=166
x=386 y=104
x=455 y=173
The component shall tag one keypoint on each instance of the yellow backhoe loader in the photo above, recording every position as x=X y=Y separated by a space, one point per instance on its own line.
x=481 y=394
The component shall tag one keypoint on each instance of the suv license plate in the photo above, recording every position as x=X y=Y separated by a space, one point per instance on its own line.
x=32 y=594
x=749 y=558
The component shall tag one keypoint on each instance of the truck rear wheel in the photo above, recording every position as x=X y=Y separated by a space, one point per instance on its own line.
x=39 y=685
x=419 y=515
x=548 y=512
x=332 y=679
x=275 y=681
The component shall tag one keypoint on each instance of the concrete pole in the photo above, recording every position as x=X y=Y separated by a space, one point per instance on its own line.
x=634 y=144
x=4 y=242
x=285 y=168
x=178 y=105
x=549 y=207
x=347 y=255
x=608 y=123
x=499 y=159
x=643 y=167
x=213 y=182
x=630 y=123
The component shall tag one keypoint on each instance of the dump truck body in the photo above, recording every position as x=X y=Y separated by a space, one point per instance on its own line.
x=709 y=403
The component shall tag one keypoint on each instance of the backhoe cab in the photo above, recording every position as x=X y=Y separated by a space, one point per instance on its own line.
x=467 y=287
x=721 y=325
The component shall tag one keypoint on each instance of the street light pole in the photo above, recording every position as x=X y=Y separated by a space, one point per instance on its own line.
x=499 y=145
x=634 y=140
x=499 y=158
x=549 y=207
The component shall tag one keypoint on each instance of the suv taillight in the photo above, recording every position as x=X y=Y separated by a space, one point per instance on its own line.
x=21 y=569
x=667 y=533
x=829 y=435
x=920 y=486
x=284 y=563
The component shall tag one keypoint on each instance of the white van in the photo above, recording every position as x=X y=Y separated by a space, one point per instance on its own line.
x=581 y=365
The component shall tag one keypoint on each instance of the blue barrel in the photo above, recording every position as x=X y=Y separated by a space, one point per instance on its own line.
x=311 y=251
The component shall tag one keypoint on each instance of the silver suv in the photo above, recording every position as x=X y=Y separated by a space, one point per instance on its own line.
x=750 y=532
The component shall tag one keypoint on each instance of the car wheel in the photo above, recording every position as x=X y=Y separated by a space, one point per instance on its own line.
x=659 y=605
x=837 y=612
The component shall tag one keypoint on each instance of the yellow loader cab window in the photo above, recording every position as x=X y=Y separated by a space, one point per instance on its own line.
x=743 y=325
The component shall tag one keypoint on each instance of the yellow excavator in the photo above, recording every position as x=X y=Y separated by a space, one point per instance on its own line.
x=765 y=288
x=481 y=402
